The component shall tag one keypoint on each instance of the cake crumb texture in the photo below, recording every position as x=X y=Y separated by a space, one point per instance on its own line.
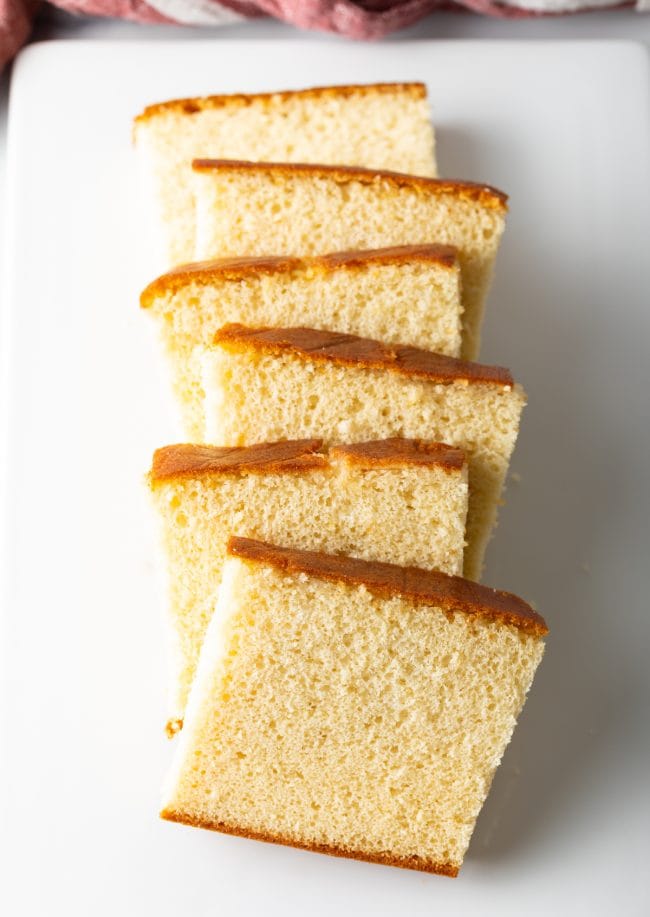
x=276 y=393
x=248 y=208
x=395 y=501
x=328 y=716
x=382 y=126
x=406 y=295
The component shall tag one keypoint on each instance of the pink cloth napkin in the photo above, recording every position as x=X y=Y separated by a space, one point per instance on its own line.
x=361 y=20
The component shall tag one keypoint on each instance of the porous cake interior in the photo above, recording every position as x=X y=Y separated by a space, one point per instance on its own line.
x=257 y=212
x=383 y=127
x=412 y=514
x=410 y=299
x=252 y=396
x=328 y=717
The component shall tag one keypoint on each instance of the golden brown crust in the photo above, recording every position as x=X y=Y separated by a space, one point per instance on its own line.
x=173 y=726
x=310 y=344
x=397 y=451
x=432 y=253
x=241 y=100
x=452 y=593
x=422 y=864
x=186 y=460
x=485 y=195
x=237 y=269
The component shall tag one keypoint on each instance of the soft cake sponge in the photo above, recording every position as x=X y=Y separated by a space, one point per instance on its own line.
x=351 y=708
x=246 y=208
x=405 y=295
x=385 y=126
x=293 y=383
x=393 y=500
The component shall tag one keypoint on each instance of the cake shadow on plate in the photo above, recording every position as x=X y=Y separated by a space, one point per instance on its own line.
x=541 y=783
x=461 y=151
x=585 y=701
x=458 y=150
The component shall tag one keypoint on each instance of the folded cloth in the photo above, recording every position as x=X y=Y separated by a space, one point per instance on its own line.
x=15 y=24
x=362 y=20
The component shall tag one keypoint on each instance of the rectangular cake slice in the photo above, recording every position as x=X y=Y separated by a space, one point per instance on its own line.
x=384 y=125
x=245 y=208
x=352 y=708
x=292 y=383
x=394 y=500
x=406 y=295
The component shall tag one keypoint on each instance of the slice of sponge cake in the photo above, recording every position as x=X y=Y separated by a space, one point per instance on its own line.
x=407 y=295
x=397 y=500
x=351 y=708
x=384 y=125
x=245 y=208
x=272 y=384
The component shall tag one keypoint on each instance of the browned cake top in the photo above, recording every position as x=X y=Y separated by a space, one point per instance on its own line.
x=484 y=195
x=237 y=269
x=241 y=100
x=388 y=453
x=192 y=461
x=428 y=587
x=187 y=460
x=351 y=350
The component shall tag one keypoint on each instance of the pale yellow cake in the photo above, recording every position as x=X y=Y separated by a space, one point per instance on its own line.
x=245 y=208
x=385 y=126
x=394 y=500
x=351 y=708
x=408 y=295
x=292 y=383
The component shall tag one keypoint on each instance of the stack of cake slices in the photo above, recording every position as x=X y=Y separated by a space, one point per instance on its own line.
x=339 y=679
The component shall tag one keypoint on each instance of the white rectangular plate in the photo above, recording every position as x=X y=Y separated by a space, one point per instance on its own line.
x=564 y=129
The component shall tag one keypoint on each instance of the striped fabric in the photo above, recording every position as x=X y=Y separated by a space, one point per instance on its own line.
x=367 y=19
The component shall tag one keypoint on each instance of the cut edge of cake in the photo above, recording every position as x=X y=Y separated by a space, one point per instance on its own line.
x=450 y=594
x=199 y=464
